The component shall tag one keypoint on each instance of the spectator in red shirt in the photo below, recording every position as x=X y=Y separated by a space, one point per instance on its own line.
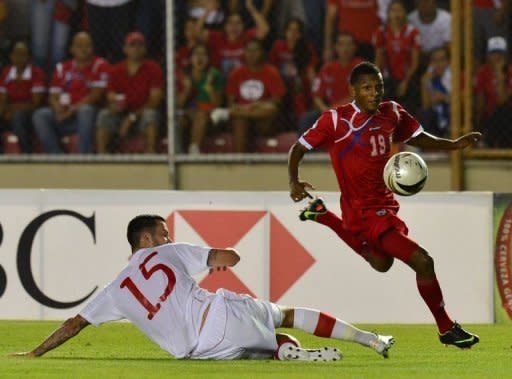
x=397 y=51
x=493 y=88
x=22 y=87
x=254 y=94
x=331 y=86
x=227 y=46
x=77 y=87
x=296 y=61
x=199 y=92
x=191 y=39
x=135 y=91
x=357 y=17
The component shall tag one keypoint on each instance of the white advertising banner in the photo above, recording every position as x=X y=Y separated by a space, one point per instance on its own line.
x=58 y=248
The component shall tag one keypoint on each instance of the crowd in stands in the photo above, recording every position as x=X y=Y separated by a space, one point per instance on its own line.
x=250 y=75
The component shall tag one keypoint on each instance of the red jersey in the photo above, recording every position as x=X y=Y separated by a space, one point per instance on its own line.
x=398 y=48
x=136 y=87
x=357 y=17
x=68 y=78
x=485 y=84
x=20 y=90
x=183 y=57
x=298 y=83
x=247 y=86
x=225 y=54
x=332 y=82
x=359 y=146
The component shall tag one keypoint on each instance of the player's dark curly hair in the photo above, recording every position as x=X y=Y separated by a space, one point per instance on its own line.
x=363 y=68
x=140 y=224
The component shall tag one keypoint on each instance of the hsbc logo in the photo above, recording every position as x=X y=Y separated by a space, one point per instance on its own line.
x=287 y=262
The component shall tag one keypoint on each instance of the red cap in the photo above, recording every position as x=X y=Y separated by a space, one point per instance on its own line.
x=134 y=36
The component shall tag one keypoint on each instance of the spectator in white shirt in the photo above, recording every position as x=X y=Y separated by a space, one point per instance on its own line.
x=434 y=25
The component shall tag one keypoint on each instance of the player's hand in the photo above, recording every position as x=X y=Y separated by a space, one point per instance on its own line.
x=27 y=354
x=298 y=190
x=467 y=140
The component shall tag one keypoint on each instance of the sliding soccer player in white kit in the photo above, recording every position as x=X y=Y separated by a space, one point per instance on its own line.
x=157 y=293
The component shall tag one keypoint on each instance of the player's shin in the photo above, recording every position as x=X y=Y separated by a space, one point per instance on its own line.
x=431 y=293
x=323 y=325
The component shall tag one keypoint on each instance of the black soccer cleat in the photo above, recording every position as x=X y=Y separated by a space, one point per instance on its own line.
x=457 y=336
x=315 y=209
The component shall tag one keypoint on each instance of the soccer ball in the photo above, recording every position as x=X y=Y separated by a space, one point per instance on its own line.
x=405 y=173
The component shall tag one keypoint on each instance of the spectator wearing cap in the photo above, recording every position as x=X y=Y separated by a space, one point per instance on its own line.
x=109 y=21
x=331 y=85
x=22 y=87
x=493 y=89
x=135 y=91
x=357 y=17
x=227 y=46
x=490 y=18
x=77 y=87
x=434 y=25
x=255 y=91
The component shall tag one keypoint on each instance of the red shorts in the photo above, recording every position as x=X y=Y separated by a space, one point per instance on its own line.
x=379 y=232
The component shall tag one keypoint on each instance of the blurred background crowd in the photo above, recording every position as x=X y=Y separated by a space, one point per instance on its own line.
x=249 y=75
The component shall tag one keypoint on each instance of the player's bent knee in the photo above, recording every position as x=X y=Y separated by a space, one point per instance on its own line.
x=381 y=265
x=422 y=262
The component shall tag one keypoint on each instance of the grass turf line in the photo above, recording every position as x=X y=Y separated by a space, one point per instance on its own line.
x=118 y=350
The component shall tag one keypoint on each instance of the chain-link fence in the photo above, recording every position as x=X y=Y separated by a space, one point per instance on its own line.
x=249 y=76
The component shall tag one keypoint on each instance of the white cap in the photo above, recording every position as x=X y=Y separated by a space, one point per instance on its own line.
x=496 y=44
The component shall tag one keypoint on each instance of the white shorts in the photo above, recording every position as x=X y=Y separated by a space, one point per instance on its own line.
x=237 y=327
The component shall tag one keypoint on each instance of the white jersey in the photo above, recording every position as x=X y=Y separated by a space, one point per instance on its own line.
x=158 y=295
x=437 y=33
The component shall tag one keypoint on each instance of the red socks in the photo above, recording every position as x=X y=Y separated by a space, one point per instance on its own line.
x=431 y=294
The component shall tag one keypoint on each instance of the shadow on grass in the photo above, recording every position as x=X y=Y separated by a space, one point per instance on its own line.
x=145 y=359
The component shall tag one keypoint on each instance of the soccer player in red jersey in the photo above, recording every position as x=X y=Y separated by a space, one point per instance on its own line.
x=358 y=136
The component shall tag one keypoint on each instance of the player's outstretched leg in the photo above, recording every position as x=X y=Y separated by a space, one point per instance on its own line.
x=450 y=333
x=323 y=325
x=290 y=350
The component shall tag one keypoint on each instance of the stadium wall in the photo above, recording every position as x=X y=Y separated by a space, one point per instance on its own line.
x=493 y=176
x=58 y=248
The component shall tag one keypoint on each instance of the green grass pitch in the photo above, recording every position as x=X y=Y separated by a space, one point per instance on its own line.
x=118 y=350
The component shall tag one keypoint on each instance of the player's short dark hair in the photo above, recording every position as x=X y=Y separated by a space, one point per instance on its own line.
x=363 y=68
x=140 y=224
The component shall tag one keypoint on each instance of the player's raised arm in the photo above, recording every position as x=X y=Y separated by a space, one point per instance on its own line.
x=70 y=328
x=297 y=188
x=220 y=259
x=428 y=141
